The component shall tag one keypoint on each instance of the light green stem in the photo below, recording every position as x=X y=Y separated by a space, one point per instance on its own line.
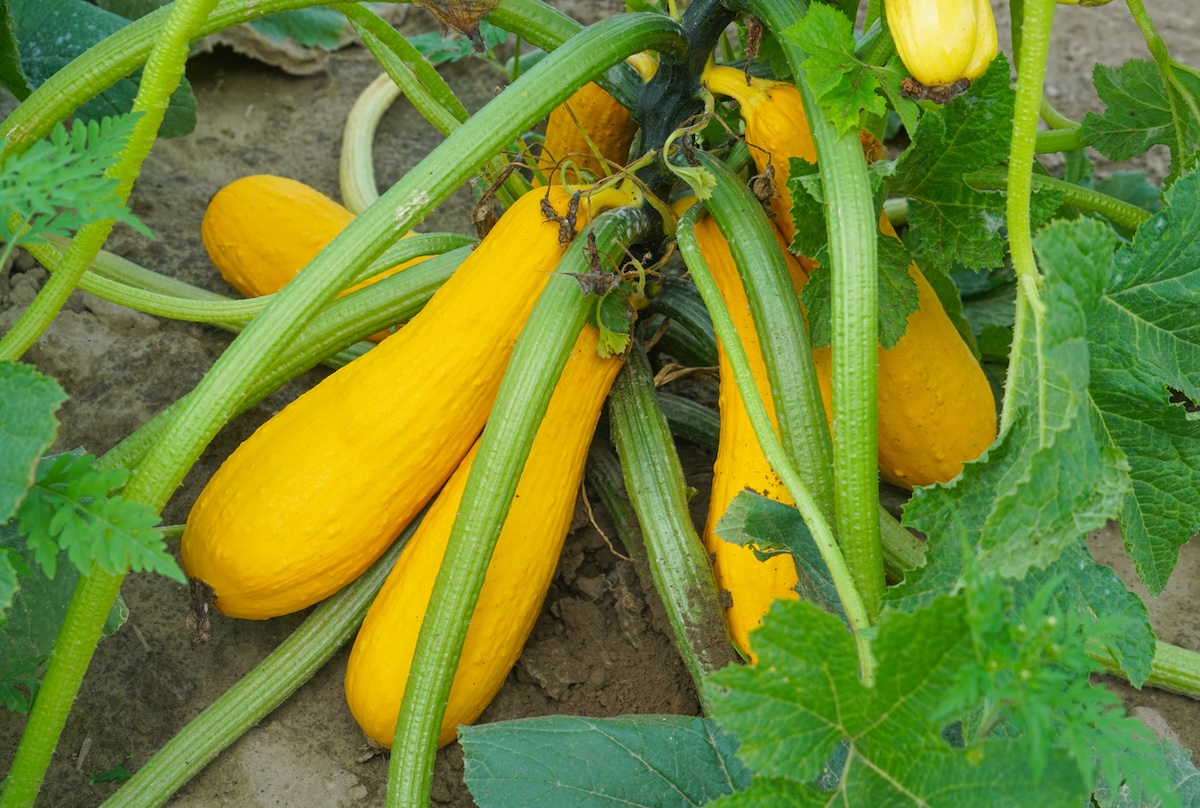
x=764 y=431
x=1060 y=140
x=1031 y=72
x=1174 y=669
x=97 y=590
x=537 y=360
x=1120 y=212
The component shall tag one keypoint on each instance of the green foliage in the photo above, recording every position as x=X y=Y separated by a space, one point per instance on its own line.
x=1144 y=339
x=50 y=33
x=791 y=711
x=600 y=762
x=28 y=401
x=308 y=27
x=897 y=295
x=438 y=49
x=11 y=75
x=771 y=528
x=58 y=185
x=1143 y=110
x=71 y=507
x=952 y=222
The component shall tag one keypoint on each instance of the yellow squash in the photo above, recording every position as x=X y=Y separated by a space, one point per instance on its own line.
x=936 y=408
x=518 y=578
x=752 y=585
x=320 y=490
x=942 y=41
x=590 y=114
x=261 y=230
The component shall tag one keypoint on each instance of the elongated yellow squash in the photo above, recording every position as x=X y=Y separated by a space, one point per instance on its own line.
x=518 y=578
x=261 y=230
x=752 y=585
x=936 y=408
x=320 y=490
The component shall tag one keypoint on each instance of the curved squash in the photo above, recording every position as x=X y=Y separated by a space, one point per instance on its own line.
x=752 y=585
x=936 y=407
x=320 y=490
x=518 y=578
x=261 y=230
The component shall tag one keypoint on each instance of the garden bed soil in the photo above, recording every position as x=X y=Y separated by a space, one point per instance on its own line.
x=601 y=646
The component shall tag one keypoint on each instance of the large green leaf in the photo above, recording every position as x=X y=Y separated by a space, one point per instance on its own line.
x=791 y=711
x=50 y=33
x=1144 y=339
x=650 y=760
x=952 y=221
x=11 y=75
x=28 y=401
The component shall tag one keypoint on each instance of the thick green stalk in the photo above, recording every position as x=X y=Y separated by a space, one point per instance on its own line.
x=1060 y=140
x=764 y=431
x=678 y=563
x=1174 y=669
x=538 y=358
x=853 y=231
x=346 y=320
x=260 y=691
x=779 y=322
x=1031 y=72
x=96 y=591
x=164 y=69
x=1118 y=211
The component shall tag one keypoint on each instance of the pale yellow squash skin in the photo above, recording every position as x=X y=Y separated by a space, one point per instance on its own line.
x=320 y=490
x=936 y=408
x=942 y=41
x=752 y=585
x=520 y=574
x=261 y=230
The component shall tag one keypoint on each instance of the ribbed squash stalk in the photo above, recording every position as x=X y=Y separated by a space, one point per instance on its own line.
x=261 y=230
x=942 y=41
x=518 y=576
x=591 y=131
x=318 y=492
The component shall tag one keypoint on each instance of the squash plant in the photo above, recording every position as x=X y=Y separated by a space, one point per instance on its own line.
x=945 y=671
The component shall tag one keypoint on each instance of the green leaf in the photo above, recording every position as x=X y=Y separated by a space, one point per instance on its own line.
x=843 y=85
x=594 y=762
x=71 y=508
x=31 y=623
x=897 y=296
x=1145 y=343
x=804 y=697
x=57 y=186
x=1141 y=110
x=614 y=320
x=131 y=9
x=439 y=49
x=771 y=528
x=951 y=221
x=28 y=401
x=891 y=76
x=50 y=33
x=307 y=27
x=1182 y=788
x=11 y=75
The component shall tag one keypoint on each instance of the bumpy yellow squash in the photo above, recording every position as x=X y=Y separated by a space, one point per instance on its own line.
x=936 y=408
x=752 y=585
x=320 y=490
x=518 y=578
x=261 y=230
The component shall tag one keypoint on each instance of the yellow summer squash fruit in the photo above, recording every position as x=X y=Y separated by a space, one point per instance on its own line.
x=942 y=41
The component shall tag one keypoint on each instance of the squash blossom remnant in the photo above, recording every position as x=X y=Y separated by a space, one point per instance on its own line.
x=942 y=41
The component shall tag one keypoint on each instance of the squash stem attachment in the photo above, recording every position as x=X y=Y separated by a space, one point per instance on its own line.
x=260 y=691
x=538 y=358
x=852 y=225
x=670 y=546
x=818 y=524
x=96 y=591
x=1031 y=73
